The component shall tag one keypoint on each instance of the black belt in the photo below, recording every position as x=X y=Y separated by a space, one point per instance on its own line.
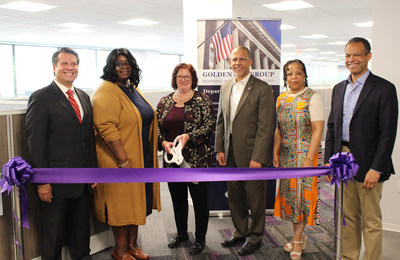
x=344 y=143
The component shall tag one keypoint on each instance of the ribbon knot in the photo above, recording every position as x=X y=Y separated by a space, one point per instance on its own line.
x=17 y=172
x=343 y=167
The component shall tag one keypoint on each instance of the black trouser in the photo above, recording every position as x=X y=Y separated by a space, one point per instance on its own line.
x=199 y=194
x=66 y=218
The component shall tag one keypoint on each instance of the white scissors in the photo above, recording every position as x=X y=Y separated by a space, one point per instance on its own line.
x=177 y=156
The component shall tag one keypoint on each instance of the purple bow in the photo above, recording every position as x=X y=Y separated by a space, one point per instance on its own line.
x=17 y=172
x=343 y=167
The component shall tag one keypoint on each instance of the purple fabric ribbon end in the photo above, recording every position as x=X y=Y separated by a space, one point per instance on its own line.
x=343 y=167
x=17 y=172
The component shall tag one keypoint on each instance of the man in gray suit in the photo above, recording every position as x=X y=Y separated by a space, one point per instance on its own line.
x=245 y=128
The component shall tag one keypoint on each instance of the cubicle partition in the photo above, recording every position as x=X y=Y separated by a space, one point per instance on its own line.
x=6 y=244
x=12 y=237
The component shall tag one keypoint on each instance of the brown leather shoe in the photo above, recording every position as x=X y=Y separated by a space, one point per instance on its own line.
x=124 y=257
x=139 y=254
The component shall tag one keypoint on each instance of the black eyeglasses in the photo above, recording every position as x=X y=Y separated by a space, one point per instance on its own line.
x=122 y=64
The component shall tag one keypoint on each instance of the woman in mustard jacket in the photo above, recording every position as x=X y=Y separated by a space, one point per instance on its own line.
x=126 y=137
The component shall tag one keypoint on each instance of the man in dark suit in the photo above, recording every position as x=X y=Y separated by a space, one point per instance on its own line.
x=60 y=135
x=363 y=121
x=245 y=127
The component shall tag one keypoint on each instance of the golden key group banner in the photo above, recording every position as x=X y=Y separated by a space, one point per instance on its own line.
x=215 y=41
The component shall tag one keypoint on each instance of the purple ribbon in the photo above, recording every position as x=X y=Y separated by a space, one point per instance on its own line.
x=18 y=172
x=120 y=175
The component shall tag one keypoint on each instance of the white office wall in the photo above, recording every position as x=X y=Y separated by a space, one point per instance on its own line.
x=385 y=63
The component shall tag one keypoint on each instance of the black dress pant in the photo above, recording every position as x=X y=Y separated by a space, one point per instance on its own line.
x=66 y=218
x=199 y=194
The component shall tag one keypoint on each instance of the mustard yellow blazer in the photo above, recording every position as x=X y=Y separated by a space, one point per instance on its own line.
x=116 y=117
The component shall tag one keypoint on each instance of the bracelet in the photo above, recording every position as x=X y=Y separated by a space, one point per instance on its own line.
x=309 y=158
x=123 y=164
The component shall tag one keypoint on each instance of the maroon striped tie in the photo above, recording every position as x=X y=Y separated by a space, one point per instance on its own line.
x=74 y=104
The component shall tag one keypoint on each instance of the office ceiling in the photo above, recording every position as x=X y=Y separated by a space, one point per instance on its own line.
x=333 y=18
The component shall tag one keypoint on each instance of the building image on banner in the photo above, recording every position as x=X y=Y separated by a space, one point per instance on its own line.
x=215 y=41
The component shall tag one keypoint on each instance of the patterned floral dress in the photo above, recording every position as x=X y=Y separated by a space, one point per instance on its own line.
x=297 y=199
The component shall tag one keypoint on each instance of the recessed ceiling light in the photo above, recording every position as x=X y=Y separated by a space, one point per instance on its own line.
x=364 y=24
x=314 y=36
x=27 y=6
x=310 y=49
x=288 y=45
x=73 y=25
x=139 y=22
x=337 y=43
x=77 y=30
x=328 y=52
x=286 y=27
x=288 y=5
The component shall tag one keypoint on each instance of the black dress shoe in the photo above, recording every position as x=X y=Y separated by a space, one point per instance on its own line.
x=248 y=248
x=231 y=241
x=177 y=239
x=197 y=247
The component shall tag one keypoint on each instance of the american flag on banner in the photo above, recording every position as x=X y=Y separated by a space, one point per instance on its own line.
x=222 y=42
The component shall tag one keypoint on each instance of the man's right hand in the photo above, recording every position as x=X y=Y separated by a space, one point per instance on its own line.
x=221 y=159
x=45 y=192
x=328 y=177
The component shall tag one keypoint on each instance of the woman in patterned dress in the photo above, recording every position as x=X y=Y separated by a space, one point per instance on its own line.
x=188 y=115
x=300 y=123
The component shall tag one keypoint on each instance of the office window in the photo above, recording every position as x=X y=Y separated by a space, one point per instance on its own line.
x=156 y=70
x=101 y=62
x=168 y=63
x=7 y=86
x=33 y=68
x=88 y=75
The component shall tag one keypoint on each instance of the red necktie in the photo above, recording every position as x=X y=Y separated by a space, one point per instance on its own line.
x=74 y=104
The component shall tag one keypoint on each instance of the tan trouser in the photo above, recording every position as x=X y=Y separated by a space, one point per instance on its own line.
x=363 y=214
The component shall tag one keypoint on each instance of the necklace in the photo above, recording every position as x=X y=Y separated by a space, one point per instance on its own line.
x=184 y=98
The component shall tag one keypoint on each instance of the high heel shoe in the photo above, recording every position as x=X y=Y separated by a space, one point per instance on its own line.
x=288 y=247
x=296 y=255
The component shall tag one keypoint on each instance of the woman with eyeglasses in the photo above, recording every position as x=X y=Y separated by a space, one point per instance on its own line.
x=300 y=122
x=188 y=116
x=126 y=137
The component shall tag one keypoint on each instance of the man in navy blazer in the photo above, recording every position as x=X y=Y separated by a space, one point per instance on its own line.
x=60 y=137
x=363 y=121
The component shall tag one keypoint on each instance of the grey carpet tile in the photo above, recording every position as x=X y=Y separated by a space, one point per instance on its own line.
x=160 y=227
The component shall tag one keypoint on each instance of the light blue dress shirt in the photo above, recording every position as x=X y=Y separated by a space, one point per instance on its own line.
x=350 y=100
